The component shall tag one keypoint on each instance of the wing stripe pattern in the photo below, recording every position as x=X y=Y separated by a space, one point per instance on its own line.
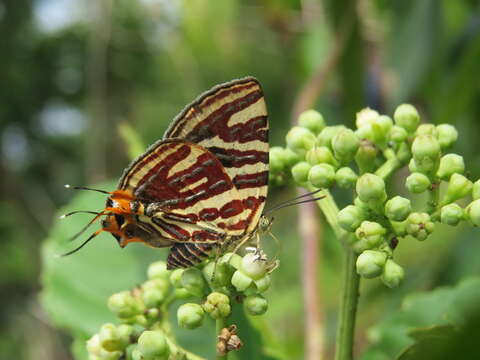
x=231 y=122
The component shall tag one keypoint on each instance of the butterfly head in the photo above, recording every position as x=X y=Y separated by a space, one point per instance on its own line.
x=119 y=219
x=121 y=212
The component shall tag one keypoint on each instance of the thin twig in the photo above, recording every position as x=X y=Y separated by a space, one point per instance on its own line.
x=310 y=232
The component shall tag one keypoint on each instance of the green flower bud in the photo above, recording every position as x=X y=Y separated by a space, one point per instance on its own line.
x=417 y=183
x=322 y=175
x=399 y=228
x=398 y=134
x=153 y=297
x=113 y=338
x=371 y=189
x=345 y=145
x=472 y=213
x=426 y=129
x=377 y=130
x=181 y=293
x=232 y=259
x=218 y=273
x=262 y=284
x=447 y=135
x=350 y=218
x=451 y=214
x=326 y=135
x=419 y=225
x=253 y=267
x=159 y=284
x=412 y=166
x=366 y=133
x=362 y=206
x=346 y=178
x=176 y=278
x=366 y=117
x=365 y=157
x=300 y=139
x=398 y=208
x=370 y=235
x=93 y=345
x=311 y=120
x=426 y=152
x=319 y=155
x=393 y=274
x=385 y=123
x=277 y=159
x=125 y=305
x=193 y=281
x=190 y=315
x=450 y=164
x=407 y=117
x=153 y=345
x=291 y=157
x=158 y=270
x=241 y=281
x=136 y=355
x=300 y=172
x=370 y=263
x=255 y=305
x=106 y=355
x=217 y=305
x=476 y=190
x=458 y=187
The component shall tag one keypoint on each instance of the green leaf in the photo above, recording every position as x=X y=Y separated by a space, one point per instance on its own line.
x=431 y=343
x=423 y=319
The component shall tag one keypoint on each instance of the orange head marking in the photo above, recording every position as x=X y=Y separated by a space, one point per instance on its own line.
x=120 y=220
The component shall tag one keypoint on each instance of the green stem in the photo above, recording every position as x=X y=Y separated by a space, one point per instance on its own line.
x=330 y=209
x=351 y=280
x=388 y=168
x=348 y=309
x=219 y=325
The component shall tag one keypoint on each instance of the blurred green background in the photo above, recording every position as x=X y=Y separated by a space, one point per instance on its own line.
x=72 y=71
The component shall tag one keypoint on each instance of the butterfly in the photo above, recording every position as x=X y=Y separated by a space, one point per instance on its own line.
x=201 y=188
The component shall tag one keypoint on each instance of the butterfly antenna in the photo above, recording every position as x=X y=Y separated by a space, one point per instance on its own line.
x=78 y=212
x=290 y=203
x=86 y=188
x=295 y=198
x=83 y=244
x=86 y=226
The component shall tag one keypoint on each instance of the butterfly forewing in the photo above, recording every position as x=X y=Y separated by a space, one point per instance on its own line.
x=231 y=122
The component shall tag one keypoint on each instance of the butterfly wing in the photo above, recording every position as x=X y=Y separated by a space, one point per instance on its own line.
x=230 y=121
x=184 y=188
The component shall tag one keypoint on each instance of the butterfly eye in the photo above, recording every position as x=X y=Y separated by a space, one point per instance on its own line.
x=120 y=220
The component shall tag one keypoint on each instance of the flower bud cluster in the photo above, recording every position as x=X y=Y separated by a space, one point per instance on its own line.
x=321 y=156
x=212 y=289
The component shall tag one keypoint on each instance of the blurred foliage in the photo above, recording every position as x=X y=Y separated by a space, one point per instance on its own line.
x=159 y=55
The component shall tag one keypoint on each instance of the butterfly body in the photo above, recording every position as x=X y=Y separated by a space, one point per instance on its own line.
x=202 y=187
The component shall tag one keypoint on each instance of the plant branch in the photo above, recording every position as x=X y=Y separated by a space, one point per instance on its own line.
x=348 y=309
x=330 y=209
x=310 y=232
